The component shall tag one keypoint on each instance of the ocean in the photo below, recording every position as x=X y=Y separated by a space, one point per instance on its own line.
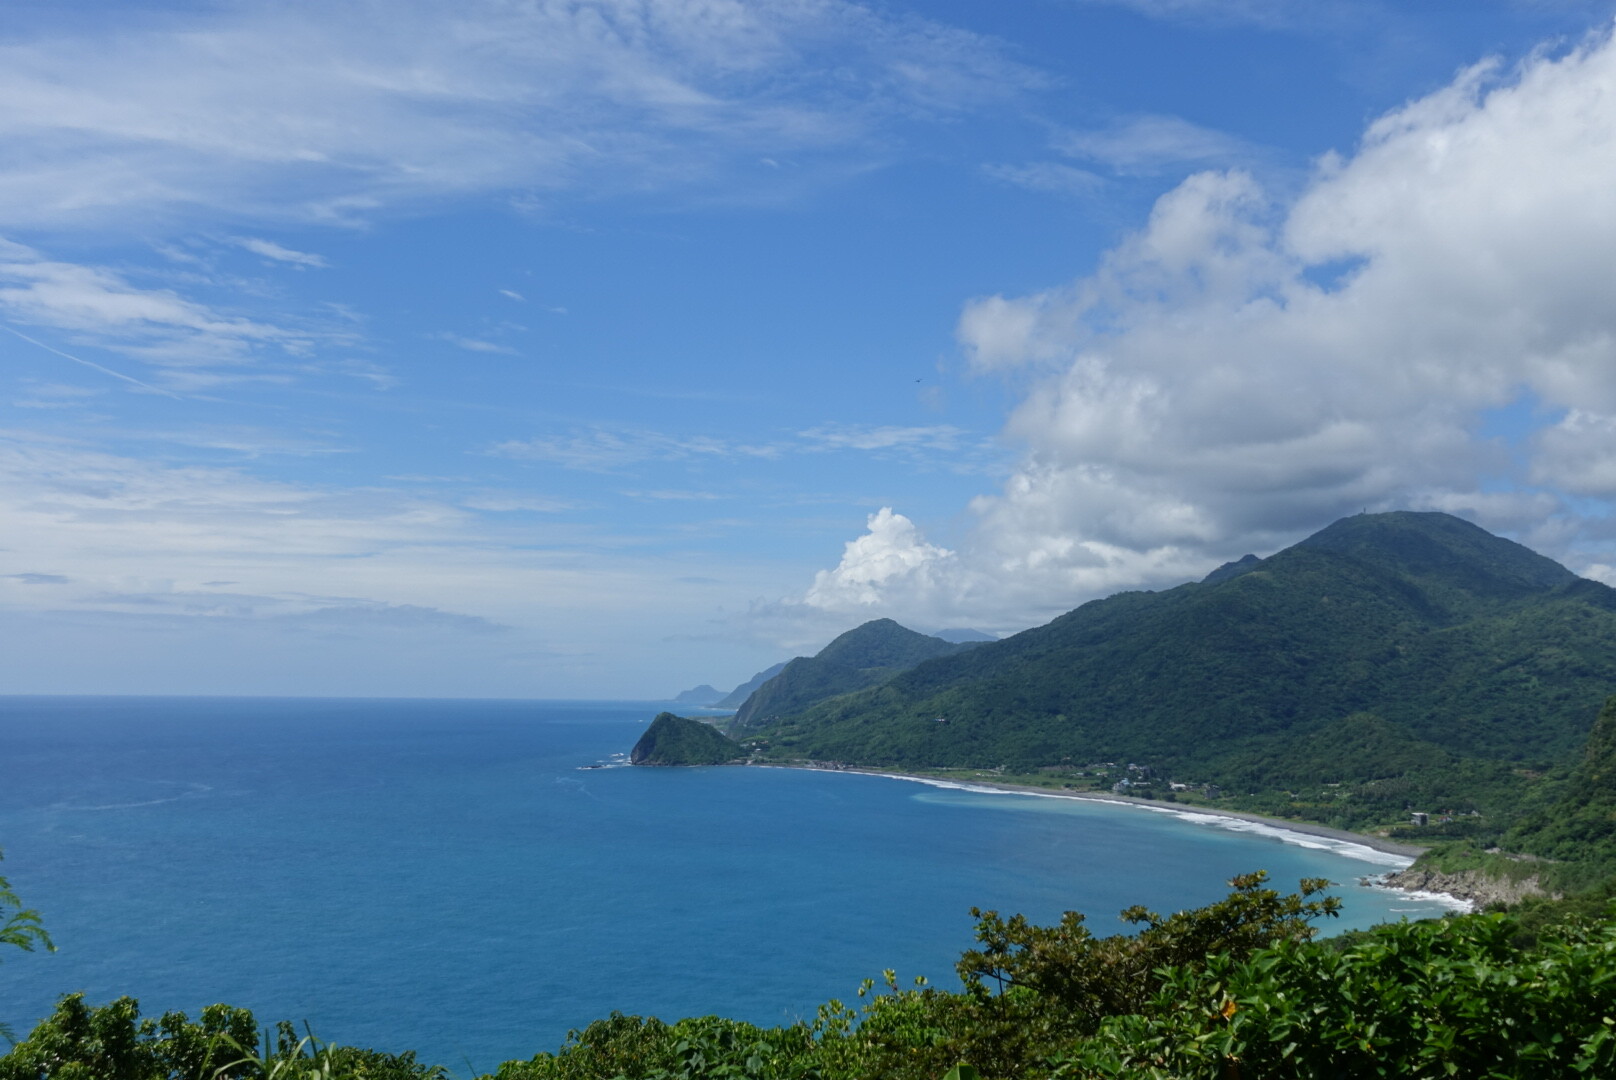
x=455 y=878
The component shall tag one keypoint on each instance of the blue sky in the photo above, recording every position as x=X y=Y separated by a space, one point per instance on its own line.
x=537 y=349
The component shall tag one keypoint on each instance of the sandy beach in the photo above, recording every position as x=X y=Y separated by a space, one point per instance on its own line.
x=1400 y=854
x=1306 y=828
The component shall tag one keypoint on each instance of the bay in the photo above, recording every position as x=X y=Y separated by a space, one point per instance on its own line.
x=453 y=877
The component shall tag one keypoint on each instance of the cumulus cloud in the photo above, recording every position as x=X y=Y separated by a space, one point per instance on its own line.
x=892 y=556
x=1243 y=369
x=323 y=112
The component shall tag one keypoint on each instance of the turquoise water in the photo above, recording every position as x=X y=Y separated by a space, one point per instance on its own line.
x=444 y=876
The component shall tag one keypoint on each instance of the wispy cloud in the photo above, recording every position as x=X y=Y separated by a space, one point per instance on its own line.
x=322 y=112
x=54 y=395
x=275 y=252
x=192 y=345
x=854 y=437
x=478 y=345
x=1047 y=176
x=1268 y=14
x=610 y=450
x=38 y=579
x=671 y=495
x=509 y=504
x=92 y=365
x=600 y=450
x=1146 y=145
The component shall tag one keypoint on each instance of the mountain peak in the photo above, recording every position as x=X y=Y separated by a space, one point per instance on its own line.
x=1434 y=548
x=863 y=656
x=877 y=643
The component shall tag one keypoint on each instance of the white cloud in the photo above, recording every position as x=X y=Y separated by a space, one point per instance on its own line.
x=506 y=504
x=1145 y=145
x=1048 y=177
x=608 y=450
x=191 y=343
x=885 y=437
x=1269 y=14
x=602 y=450
x=1241 y=372
x=127 y=575
x=892 y=557
x=1578 y=454
x=675 y=495
x=476 y=344
x=324 y=112
x=271 y=250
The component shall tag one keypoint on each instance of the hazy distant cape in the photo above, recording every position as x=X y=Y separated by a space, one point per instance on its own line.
x=699 y=695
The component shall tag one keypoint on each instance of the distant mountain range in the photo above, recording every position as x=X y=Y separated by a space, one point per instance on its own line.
x=707 y=696
x=867 y=655
x=737 y=697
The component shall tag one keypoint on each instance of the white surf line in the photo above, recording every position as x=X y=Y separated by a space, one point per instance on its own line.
x=1347 y=848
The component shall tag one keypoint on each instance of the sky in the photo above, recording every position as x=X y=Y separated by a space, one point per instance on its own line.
x=600 y=348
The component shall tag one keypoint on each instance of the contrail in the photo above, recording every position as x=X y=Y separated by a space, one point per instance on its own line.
x=92 y=364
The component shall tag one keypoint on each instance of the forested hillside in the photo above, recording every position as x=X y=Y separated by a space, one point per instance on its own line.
x=865 y=656
x=1413 y=650
x=678 y=740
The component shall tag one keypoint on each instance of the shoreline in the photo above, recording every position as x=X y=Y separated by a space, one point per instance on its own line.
x=1378 y=844
x=1306 y=828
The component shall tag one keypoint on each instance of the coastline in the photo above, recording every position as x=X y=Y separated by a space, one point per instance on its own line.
x=1306 y=828
x=1405 y=853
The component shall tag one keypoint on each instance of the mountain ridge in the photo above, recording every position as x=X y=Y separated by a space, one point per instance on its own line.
x=1462 y=646
x=864 y=656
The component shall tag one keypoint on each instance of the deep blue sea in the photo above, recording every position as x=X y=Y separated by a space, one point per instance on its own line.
x=444 y=876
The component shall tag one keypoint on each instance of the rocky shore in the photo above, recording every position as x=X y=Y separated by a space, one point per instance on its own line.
x=1469 y=885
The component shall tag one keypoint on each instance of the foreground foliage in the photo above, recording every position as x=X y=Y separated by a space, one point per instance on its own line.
x=20 y=926
x=113 y=1042
x=1238 y=989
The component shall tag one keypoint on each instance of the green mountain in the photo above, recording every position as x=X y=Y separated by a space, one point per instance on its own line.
x=677 y=740
x=737 y=697
x=1579 y=826
x=864 y=656
x=1384 y=647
